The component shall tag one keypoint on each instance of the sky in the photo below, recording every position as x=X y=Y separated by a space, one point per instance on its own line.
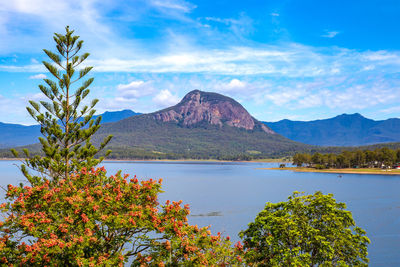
x=281 y=59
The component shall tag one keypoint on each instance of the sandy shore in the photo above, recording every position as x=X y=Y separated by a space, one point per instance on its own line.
x=350 y=171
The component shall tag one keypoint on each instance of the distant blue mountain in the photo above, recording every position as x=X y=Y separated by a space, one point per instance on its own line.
x=113 y=116
x=12 y=135
x=17 y=135
x=342 y=130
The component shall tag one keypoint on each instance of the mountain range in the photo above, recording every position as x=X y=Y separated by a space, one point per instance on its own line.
x=206 y=124
x=342 y=130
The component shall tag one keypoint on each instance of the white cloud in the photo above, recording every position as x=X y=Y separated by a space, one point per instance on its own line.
x=38 y=76
x=235 y=83
x=290 y=60
x=12 y=107
x=340 y=94
x=11 y=112
x=395 y=109
x=240 y=26
x=330 y=34
x=274 y=14
x=35 y=97
x=37 y=7
x=233 y=86
x=309 y=101
x=361 y=96
x=25 y=68
x=135 y=89
x=224 y=21
x=128 y=94
x=178 y=10
x=381 y=55
x=283 y=96
x=165 y=98
x=118 y=100
x=369 y=67
x=117 y=103
x=31 y=21
x=182 y=6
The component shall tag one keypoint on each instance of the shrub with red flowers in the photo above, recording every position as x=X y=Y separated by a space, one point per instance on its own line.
x=93 y=219
x=73 y=214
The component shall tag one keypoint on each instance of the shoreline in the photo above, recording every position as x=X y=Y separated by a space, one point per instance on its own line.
x=339 y=171
x=182 y=160
x=201 y=160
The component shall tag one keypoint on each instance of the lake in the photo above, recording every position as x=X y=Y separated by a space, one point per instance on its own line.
x=233 y=193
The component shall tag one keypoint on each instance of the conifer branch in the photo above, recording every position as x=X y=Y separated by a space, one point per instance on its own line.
x=64 y=124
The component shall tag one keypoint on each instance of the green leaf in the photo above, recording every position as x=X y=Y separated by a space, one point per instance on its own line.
x=14 y=152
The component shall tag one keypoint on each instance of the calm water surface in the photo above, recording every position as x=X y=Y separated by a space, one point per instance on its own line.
x=236 y=192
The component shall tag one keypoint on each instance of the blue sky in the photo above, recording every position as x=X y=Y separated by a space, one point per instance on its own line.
x=301 y=60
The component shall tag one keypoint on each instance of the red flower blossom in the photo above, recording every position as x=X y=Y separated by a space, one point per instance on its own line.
x=84 y=217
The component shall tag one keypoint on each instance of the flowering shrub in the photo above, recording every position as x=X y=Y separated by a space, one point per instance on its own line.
x=93 y=219
x=72 y=214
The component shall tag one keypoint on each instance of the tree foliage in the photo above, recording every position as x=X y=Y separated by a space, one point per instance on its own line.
x=94 y=219
x=66 y=126
x=380 y=157
x=311 y=230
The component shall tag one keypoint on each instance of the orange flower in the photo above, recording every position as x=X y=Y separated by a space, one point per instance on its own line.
x=83 y=170
x=88 y=232
x=63 y=228
x=85 y=218
x=167 y=245
x=69 y=219
x=239 y=245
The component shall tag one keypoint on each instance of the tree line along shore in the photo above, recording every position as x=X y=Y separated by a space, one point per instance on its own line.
x=380 y=158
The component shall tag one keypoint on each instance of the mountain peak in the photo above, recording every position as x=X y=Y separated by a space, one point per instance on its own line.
x=213 y=108
x=354 y=115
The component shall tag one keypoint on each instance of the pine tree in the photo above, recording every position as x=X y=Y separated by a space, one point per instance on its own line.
x=66 y=127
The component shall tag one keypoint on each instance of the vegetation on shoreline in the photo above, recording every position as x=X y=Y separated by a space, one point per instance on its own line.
x=139 y=153
x=378 y=158
x=347 y=170
x=128 y=153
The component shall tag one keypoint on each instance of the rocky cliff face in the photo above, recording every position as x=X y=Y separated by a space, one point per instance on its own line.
x=197 y=107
